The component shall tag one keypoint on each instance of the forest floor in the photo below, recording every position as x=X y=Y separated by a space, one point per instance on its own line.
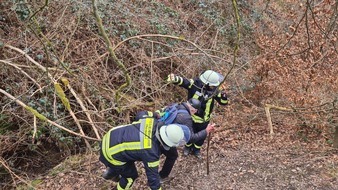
x=240 y=158
x=247 y=160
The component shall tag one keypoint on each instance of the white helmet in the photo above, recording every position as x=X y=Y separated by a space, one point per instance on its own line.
x=211 y=78
x=173 y=135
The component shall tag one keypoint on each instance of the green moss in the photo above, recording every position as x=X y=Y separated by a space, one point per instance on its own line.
x=62 y=95
x=36 y=113
x=32 y=186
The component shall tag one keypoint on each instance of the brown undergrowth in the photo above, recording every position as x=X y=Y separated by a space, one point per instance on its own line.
x=287 y=58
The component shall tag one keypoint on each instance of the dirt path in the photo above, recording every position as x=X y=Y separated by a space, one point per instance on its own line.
x=237 y=163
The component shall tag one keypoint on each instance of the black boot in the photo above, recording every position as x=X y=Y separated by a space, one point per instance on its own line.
x=186 y=151
x=198 y=154
x=108 y=175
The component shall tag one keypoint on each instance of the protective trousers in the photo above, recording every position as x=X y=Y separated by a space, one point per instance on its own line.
x=171 y=157
x=127 y=171
x=197 y=127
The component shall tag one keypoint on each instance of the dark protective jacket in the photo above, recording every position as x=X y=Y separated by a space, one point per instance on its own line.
x=135 y=142
x=186 y=119
x=198 y=90
x=183 y=118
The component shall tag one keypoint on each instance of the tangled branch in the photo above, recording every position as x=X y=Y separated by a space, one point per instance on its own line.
x=42 y=117
x=60 y=93
x=112 y=53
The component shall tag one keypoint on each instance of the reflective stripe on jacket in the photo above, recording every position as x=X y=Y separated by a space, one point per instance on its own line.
x=186 y=119
x=197 y=89
x=134 y=142
x=183 y=118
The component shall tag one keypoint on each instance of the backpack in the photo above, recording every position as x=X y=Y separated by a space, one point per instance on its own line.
x=169 y=114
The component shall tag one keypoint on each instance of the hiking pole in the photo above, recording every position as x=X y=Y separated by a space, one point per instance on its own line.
x=208 y=145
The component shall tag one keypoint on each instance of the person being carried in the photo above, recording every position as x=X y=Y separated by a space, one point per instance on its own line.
x=142 y=140
x=204 y=88
x=182 y=114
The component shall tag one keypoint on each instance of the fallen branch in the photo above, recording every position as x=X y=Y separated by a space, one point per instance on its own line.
x=35 y=130
x=268 y=115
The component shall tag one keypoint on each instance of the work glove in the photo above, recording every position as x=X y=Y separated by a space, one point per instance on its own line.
x=222 y=92
x=224 y=95
x=172 y=78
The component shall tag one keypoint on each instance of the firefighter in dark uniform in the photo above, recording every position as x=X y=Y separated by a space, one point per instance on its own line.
x=183 y=117
x=139 y=141
x=205 y=89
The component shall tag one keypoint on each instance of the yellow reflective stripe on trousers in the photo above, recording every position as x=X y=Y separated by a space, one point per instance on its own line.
x=128 y=186
x=198 y=147
x=130 y=183
x=119 y=186
x=224 y=101
x=153 y=164
x=188 y=145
